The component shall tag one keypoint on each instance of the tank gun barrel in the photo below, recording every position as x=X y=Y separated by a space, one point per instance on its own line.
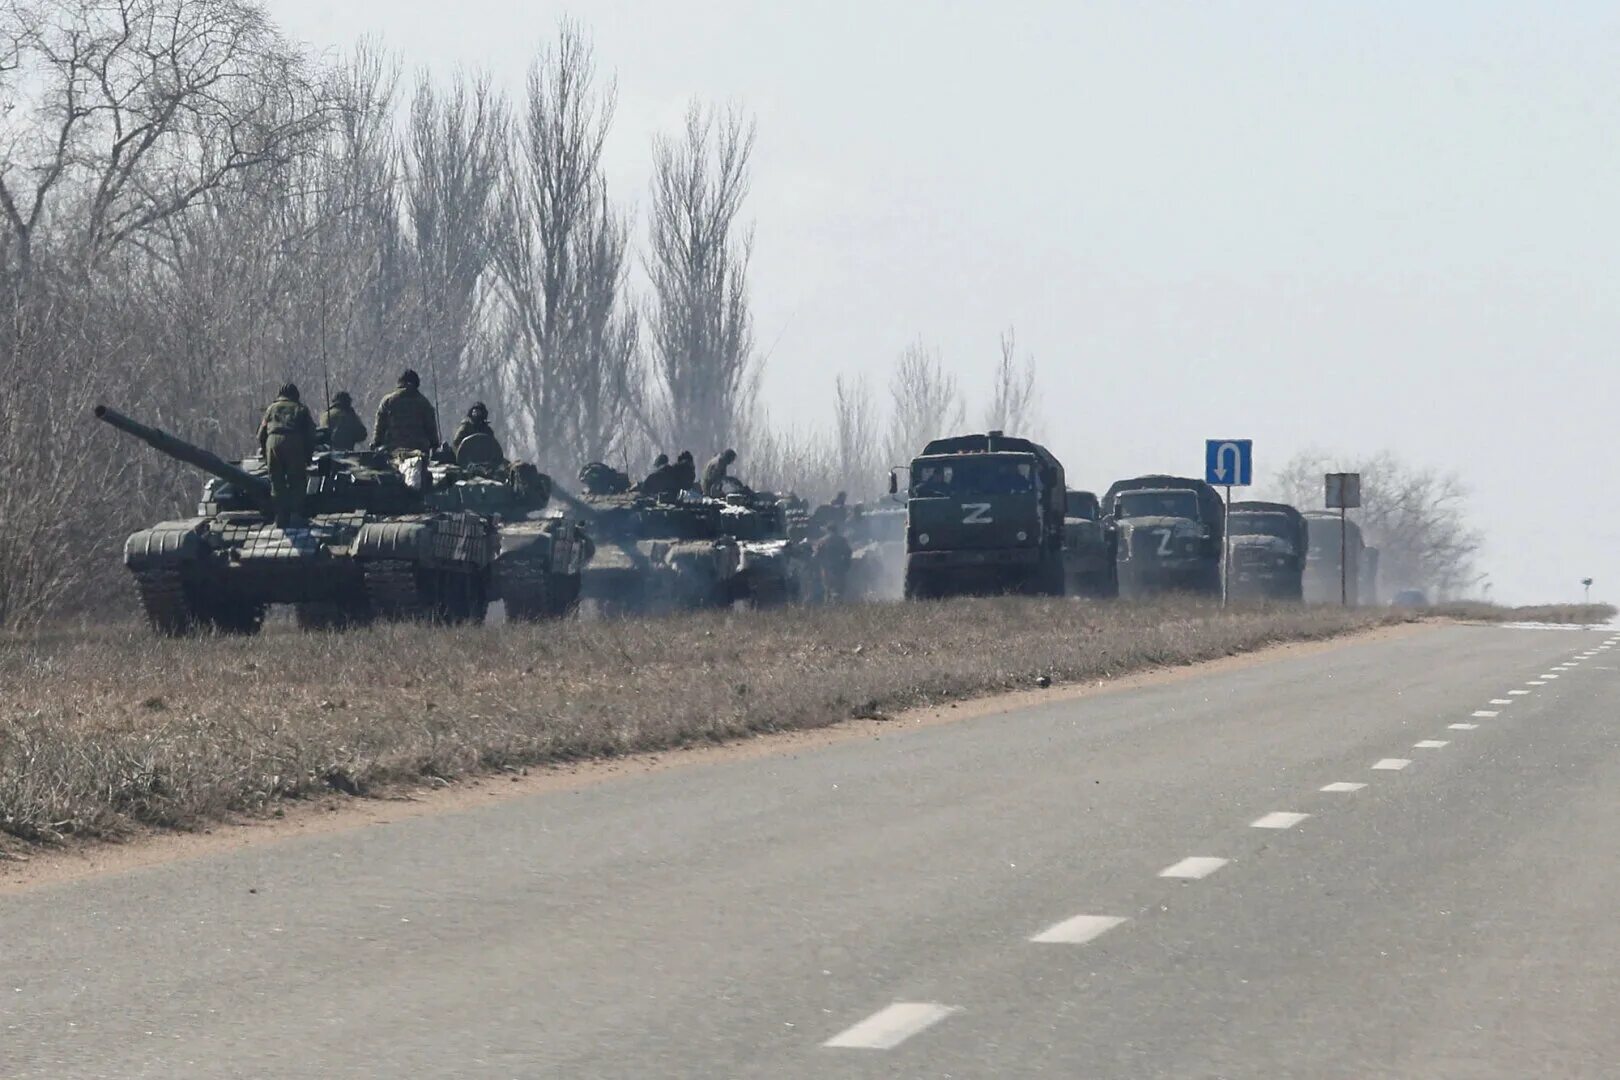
x=257 y=487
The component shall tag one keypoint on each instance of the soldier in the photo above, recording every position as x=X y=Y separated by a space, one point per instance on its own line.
x=662 y=478
x=405 y=419
x=660 y=462
x=476 y=423
x=343 y=426
x=684 y=477
x=832 y=556
x=287 y=442
x=714 y=473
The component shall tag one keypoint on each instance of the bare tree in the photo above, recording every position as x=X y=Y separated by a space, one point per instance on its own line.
x=1417 y=517
x=560 y=263
x=860 y=465
x=1012 y=397
x=702 y=329
x=130 y=111
x=925 y=403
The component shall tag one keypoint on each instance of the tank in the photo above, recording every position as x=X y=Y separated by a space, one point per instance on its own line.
x=543 y=548
x=773 y=549
x=658 y=554
x=372 y=547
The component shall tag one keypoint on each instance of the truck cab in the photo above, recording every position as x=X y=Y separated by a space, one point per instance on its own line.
x=984 y=514
x=1168 y=535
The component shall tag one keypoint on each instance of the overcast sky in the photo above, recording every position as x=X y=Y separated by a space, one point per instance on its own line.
x=1348 y=226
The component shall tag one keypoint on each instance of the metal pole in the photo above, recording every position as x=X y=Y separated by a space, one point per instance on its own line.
x=1226 y=541
x=1344 y=565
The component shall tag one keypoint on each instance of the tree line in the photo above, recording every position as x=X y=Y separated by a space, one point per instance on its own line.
x=195 y=209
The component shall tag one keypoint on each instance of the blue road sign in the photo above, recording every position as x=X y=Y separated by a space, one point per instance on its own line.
x=1229 y=462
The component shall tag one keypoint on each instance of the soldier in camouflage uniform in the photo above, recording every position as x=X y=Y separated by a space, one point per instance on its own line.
x=832 y=557
x=714 y=474
x=476 y=423
x=286 y=443
x=406 y=419
x=684 y=472
x=343 y=426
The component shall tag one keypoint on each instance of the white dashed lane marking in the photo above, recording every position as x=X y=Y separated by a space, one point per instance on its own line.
x=1519 y=693
x=1393 y=763
x=1535 y=682
x=1486 y=713
x=1078 y=930
x=888 y=1028
x=1278 y=819
x=1462 y=727
x=1501 y=701
x=1429 y=744
x=1549 y=675
x=1194 y=867
x=1343 y=785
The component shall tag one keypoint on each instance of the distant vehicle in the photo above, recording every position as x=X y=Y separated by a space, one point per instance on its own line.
x=1088 y=547
x=1268 y=541
x=984 y=514
x=1322 y=563
x=1411 y=598
x=1369 y=575
x=1168 y=535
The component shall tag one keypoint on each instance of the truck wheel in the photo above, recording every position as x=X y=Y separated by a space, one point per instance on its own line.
x=918 y=585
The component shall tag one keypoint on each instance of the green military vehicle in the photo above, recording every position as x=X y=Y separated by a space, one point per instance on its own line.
x=656 y=554
x=372 y=547
x=1268 y=541
x=543 y=548
x=1088 y=547
x=1168 y=535
x=1330 y=579
x=984 y=514
x=774 y=564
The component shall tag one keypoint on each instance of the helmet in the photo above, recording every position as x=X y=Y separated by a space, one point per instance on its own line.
x=728 y=455
x=409 y=378
x=342 y=399
x=479 y=411
x=288 y=391
x=660 y=461
x=685 y=455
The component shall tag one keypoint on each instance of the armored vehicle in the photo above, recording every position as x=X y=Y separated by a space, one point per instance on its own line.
x=1088 y=547
x=543 y=548
x=984 y=514
x=1168 y=535
x=1326 y=574
x=659 y=554
x=372 y=547
x=774 y=565
x=1268 y=542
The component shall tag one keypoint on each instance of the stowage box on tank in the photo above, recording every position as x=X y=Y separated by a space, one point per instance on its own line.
x=371 y=547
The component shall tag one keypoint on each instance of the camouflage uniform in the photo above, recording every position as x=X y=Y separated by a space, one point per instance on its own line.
x=714 y=473
x=469 y=426
x=287 y=442
x=832 y=557
x=406 y=421
x=683 y=475
x=344 y=428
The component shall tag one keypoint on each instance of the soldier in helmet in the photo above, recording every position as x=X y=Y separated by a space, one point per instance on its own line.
x=287 y=442
x=406 y=419
x=683 y=475
x=831 y=555
x=343 y=426
x=476 y=423
x=714 y=473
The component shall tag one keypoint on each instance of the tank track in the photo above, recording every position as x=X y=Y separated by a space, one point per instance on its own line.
x=392 y=591
x=163 y=597
x=525 y=590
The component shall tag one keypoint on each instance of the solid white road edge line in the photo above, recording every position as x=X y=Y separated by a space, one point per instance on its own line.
x=1194 y=867
x=888 y=1028
x=1343 y=785
x=1078 y=930
x=1278 y=819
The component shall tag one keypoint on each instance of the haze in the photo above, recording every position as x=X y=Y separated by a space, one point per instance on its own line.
x=1354 y=227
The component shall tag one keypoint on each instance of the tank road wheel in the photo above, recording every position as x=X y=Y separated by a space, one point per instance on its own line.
x=394 y=593
x=562 y=595
x=163 y=597
x=462 y=597
x=525 y=590
x=234 y=616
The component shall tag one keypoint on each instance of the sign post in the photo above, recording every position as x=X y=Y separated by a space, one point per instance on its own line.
x=1343 y=493
x=1228 y=463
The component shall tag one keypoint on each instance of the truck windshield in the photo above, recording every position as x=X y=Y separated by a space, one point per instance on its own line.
x=1262 y=525
x=1173 y=504
x=972 y=476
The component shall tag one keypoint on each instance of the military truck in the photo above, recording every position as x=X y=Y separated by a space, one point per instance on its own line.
x=1268 y=543
x=1088 y=548
x=984 y=514
x=1168 y=535
x=1323 y=563
x=543 y=548
x=371 y=548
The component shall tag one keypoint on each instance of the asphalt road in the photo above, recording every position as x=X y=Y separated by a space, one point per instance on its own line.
x=983 y=898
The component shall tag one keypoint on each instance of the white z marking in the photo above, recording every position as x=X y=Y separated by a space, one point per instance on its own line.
x=977 y=514
x=1164 y=542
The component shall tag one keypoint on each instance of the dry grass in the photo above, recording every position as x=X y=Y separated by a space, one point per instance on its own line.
x=103 y=730
x=1574 y=614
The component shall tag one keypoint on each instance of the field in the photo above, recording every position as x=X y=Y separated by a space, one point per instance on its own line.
x=107 y=730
